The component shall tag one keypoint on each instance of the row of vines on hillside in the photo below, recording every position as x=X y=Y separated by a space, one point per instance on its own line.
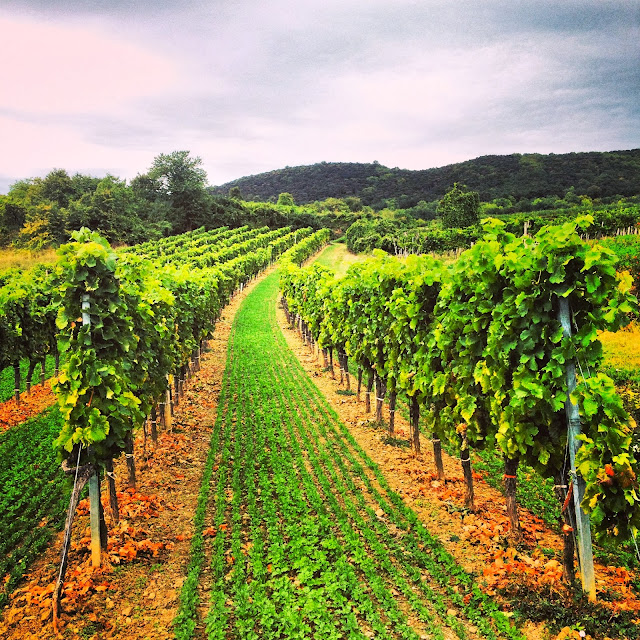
x=365 y=235
x=146 y=322
x=29 y=307
x=27 y=323
x=478 y=345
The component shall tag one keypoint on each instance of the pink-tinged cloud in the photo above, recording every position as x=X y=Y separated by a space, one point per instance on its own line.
x=51 y=68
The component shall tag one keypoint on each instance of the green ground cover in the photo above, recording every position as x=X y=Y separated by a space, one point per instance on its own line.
x=337 y=257
x=34 y=495
x=309 y=539
x=7 y=377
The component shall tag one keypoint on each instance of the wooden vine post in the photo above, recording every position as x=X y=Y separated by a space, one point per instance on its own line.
x=16 y=383
x=585 y=551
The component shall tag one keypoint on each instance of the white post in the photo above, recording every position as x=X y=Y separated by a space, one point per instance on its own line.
x=585 y=550
x=94 y=480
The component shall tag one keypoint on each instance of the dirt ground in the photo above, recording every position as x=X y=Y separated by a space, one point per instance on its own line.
x=31 y=404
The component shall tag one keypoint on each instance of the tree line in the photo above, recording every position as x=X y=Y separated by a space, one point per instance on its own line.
x=170 y=198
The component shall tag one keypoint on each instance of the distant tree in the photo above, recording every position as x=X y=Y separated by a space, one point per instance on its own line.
x=44 y=226
x=354 y=203
x=82 y=184
x=235 y=193
x=178 y=180
x=12 y=213
x=57 y=187
x=286 y=199
x=459 y=208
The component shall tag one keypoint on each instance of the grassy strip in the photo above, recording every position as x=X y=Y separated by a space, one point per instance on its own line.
x=298 y=549
x=415 y=552
x=297 y=596
x=34 y=497
x=7 y=383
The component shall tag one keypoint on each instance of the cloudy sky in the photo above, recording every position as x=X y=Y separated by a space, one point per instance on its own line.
x=103 y=86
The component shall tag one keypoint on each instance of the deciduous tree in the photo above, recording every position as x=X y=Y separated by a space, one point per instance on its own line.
x=459 y=208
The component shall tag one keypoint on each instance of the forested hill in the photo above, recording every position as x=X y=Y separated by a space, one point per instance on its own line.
x=532 y=175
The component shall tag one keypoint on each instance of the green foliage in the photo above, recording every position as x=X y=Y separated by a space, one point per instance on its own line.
x=27 y=316
x=179 y=181
x=286 y=200
x=459 y=208
x=97 y=396
x=235 y=193
x=125 y=320
x=170 y=198
x=482 y=344
x=34 y=492
x=560 y=608
x=627 y=250
x=7 y=377
x=517 y=177
x=408 y=236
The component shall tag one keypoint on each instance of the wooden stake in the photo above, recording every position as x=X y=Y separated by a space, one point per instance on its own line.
x=437 y=458
x=345 y=360
x=131 y=465
x=16 y=379
x=465 y=461
x=381 y=389
x=81 y=480
x=560 y=489
x=392 y=411
x=30 y=370
x=168 y=409
x=111 y=490
x=414 y=418
x=154 y=428
x=367 y=395
x=510 y=468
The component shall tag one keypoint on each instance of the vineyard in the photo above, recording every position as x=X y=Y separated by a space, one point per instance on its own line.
x=135 y=336
x=489 y=348
x=297 y=530
x=308 y=540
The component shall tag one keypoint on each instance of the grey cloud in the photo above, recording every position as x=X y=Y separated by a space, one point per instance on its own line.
x=98 y=7
x=5 y=183
x=268 y=77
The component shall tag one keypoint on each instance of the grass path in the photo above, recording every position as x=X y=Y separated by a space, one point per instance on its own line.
x=337 y=257
x=297 y=531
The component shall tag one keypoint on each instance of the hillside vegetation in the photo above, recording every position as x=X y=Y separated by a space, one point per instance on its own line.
x=517 y=176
